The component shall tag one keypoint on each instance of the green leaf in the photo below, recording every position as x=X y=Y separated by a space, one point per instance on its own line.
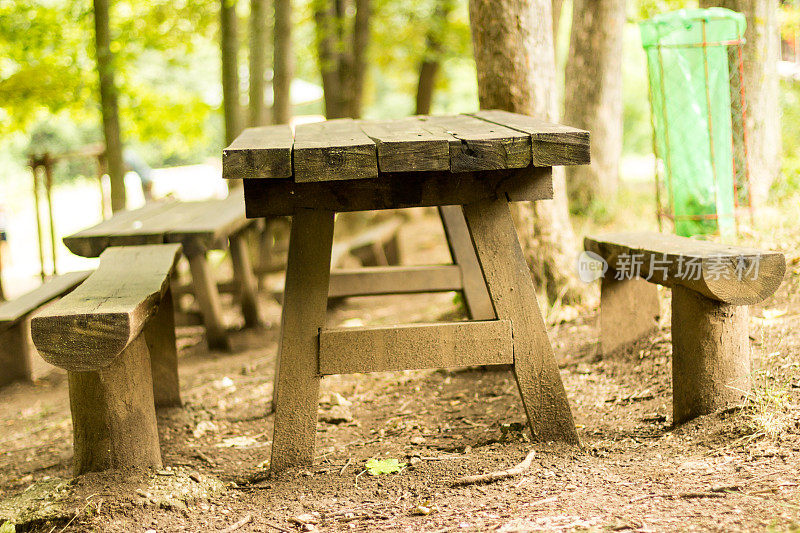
x=7 y=527
x=377 y=467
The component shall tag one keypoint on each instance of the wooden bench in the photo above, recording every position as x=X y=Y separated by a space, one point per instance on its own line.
x=115 y=336
x=712 y=285
x=18 y=358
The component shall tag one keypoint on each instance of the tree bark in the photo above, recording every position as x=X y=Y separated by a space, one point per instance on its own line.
x=761 y=53
x=257 y=115
x=513 y=43
x=341 y=49
x=593 y=97
x=109 y=105
x=558 y=5
x=429 y=67
x=229 y=44
x=282 y=63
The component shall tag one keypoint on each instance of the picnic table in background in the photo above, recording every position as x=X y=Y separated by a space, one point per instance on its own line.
x=199 y=227
x=470 y=167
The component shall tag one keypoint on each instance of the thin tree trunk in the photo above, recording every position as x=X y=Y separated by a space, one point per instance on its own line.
x=761 y=54
x=109 y=105
x=361 y=39
x=283 y=63
x=558 y=5
x=429 y=67
x=593 y=97
x=257 y=115
x=328 y=57
x=513 y=42
x=229 y=44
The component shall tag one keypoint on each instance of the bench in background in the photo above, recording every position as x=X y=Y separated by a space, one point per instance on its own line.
x=18 y=358
x=712 y=284
x=115 y=336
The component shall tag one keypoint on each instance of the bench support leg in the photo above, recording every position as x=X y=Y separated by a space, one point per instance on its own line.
x=710 y=354
x=629 y=311
x=304 y=305
x=113 y=414
x=476 y=298
x=160 y=336
x=205 y=290
x=514 y=298
x=246 y=280
x=16 y=353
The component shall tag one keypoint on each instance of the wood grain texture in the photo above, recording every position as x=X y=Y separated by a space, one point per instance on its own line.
x=476 y=297
x=710 y=355
x=396 y=191
x=16 y=353
x=113 y=414
x=404 y=145
x=263 y=152
x=415 y=346
x=304 y=305
x=368 y=281
x=629 y=311
x=333 y=150
x=87 y=329
x=479 y=145
x=730 y=274
x=551 y=144
x=207 y=295
x=514 y=298
x=19 y=308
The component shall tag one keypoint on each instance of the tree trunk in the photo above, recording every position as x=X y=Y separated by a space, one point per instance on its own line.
x=282 y=63
x=109 y=105
x=593 y=97
x=229 y=43
x=341 y=49
x=513 y=42
x=761 y=89
x=258 y=62
x=429 y=66
x=558 y=5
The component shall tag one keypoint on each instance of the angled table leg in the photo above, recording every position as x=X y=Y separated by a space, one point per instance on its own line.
x=514 y=297
x=246 y=280
x=479 y=305
x=207 y=294
x=304 y=305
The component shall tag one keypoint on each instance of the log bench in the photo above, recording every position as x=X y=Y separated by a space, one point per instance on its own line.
x=115 y=336
x=712 y=284
x=18 y=358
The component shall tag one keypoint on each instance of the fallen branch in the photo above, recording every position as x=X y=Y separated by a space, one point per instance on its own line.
x=236 y=525
x=491 y=477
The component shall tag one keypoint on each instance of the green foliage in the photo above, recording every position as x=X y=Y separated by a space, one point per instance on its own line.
x=7 y=527
x=789 y=182
x=376 y=467
x=644 y=9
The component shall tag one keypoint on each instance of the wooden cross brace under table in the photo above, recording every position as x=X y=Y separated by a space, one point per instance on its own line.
x=471 y=167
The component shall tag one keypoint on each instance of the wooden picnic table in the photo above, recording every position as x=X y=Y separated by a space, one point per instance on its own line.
x=199 y=227
x=470 y=167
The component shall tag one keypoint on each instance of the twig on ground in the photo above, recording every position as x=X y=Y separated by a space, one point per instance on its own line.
x=691 y=495
x=279 y=528
x=240 y=523
x=349 y=460
x=491 y=477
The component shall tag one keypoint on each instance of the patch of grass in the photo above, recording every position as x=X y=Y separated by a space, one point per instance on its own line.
x=767 y=405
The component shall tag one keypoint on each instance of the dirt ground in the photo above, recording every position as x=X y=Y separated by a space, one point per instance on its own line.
x=737 y=470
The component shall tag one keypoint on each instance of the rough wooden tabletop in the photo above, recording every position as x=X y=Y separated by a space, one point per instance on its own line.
x=346 y=149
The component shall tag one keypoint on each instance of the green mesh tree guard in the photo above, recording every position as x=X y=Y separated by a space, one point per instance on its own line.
x=690 y=100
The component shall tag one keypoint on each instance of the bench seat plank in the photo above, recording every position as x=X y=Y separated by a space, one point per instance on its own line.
x=88 y=328
x=14 y=310
x=722 y=272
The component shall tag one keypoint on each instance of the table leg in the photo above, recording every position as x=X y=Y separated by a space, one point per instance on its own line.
x=479 y=305
x=512 y=292
x=207 y=294
x=246 y=280
x=304 y=305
